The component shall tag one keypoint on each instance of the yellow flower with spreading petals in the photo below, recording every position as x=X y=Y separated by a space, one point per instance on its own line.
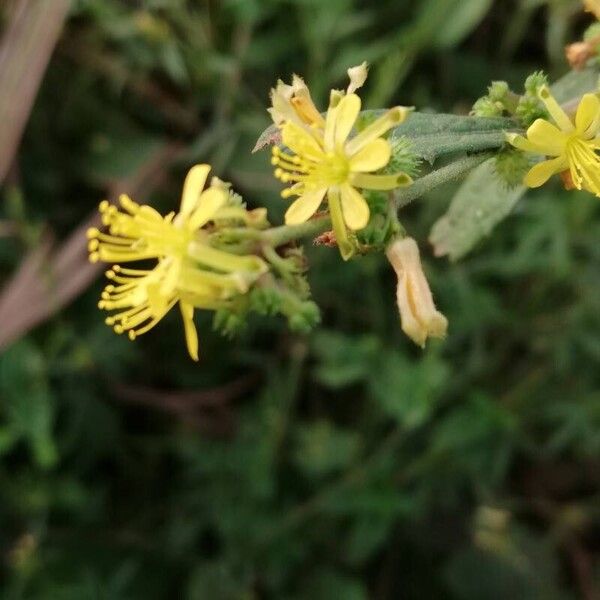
x=189 y=270
x=572 y=145
x=329 y=163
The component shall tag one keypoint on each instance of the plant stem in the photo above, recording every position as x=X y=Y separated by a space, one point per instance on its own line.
x=278 y=236
x=438 y=177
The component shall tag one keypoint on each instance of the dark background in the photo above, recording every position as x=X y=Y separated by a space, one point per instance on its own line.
x=344 y=464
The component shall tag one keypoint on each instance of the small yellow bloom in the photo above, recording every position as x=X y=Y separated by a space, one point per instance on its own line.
x=328 y=163
x=420 y=318
x=293 y=103
x=188 y=271
x=572 y=145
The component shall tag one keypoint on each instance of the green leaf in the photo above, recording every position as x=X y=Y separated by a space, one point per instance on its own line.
x=482 y=201
x=431 y=135
x=27 y=401
x=344 y=360
x=408 y=391
x=321 y=448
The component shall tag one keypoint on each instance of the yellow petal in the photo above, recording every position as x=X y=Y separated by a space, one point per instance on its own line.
x=392 y=118
x=193 y=185
x=587 y=118
x=191 y=335
x=546 y=137
x=171 y=277
x=540 y=173
x=375 y=155
x=219 y=260
x=335 y=96
x=380 y=182
x=345 y=117
x=354 y=208
x=518 y=141
x=210 y=201
x=345 y=245
x=304 y=207
x=555 y=109
x=301 y=142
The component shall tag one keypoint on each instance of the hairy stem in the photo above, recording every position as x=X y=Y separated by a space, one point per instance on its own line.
x=425 y=184
x=278 y=236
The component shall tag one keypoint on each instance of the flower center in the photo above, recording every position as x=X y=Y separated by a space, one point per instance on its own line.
x=584 y=164
x=310 y=172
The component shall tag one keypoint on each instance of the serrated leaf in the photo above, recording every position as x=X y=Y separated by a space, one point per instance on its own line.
x=481 y=202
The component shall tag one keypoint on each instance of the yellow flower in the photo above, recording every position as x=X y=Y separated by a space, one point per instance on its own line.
x=293 y=103
x=419 y=316
x=328 y=163
x=572 y=145
x=188 y=271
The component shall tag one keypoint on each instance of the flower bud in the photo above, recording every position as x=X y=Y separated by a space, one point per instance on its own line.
x=420 y=319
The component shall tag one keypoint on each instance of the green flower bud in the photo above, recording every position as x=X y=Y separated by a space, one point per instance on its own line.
x=498 y=90
x=529 y=109
x=511 y=166
x=534 y=82
x=307 y=317
x=486 y=107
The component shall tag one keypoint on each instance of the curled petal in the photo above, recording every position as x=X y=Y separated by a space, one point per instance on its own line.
x=419 y=316
x=358 y=76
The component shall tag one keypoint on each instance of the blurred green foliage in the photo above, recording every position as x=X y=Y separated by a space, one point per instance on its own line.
x=343 y=464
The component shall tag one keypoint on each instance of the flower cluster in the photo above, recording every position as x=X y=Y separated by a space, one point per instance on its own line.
x=341 y=168
x=321 y=159
x=188 y=271
x=572 y=144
